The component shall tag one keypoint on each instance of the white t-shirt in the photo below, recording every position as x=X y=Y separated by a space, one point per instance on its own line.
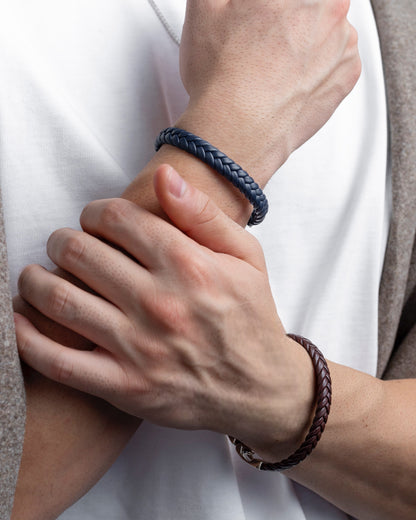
x=86 y=86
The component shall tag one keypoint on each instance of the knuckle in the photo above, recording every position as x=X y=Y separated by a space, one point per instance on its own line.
x=196 y=270
x=66 y=246
x=72 y=248
x=86 y=212
x=58 y=299
x=114 y=212
x=168 y=311
x=61 y=369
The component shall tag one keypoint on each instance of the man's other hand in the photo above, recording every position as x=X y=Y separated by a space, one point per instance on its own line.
x=184 y=321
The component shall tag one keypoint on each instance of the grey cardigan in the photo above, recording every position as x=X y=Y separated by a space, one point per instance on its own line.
x=396 y=20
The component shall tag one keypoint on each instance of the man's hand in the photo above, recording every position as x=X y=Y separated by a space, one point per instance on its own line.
x=189 y=338
x=186 y=327
x=266 y=73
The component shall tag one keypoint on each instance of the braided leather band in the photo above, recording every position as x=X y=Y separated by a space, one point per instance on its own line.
x=323 y=390
x=222 y=164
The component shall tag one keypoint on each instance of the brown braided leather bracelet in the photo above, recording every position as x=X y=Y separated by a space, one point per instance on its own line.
x=323 y=394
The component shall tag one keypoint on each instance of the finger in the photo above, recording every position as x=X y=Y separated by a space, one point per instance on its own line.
x=103 y=268
x=143 y=235
x=87 y=371
x=90 y=316
x=199 y=217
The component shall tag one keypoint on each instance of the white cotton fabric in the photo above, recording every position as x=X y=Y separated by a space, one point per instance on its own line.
x=85 y=87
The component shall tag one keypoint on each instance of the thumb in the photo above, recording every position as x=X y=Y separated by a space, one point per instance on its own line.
x=194 y=213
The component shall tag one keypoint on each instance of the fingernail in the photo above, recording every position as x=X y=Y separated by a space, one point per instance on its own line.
x=177 y=186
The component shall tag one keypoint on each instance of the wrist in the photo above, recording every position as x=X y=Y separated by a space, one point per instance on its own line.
x=291 y=406
x=250 y=141
x=197 y=173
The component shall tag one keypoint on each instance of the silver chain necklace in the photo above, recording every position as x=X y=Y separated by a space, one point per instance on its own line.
x=164 y=21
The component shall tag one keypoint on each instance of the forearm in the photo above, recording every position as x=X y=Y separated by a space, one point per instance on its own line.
x=365 y=462
x=71 y=439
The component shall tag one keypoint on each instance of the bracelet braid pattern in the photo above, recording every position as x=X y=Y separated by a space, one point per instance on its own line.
x=220 y=162
x=323 y=391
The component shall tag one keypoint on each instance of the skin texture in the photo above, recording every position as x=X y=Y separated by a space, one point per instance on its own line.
x=63 y=422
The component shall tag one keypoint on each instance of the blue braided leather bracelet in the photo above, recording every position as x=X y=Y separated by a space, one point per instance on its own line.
x=222 y=164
